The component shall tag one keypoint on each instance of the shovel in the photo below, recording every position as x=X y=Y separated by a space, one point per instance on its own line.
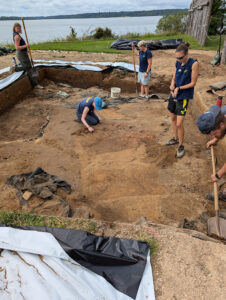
x=35 y=73
x=216 y=225
x=135 y=71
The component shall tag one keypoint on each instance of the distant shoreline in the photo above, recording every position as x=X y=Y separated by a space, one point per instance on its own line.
x=143 y=13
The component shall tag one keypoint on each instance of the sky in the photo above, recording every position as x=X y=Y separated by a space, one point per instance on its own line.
x=26 y=8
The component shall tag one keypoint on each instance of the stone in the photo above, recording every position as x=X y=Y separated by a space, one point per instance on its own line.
x=27 y=195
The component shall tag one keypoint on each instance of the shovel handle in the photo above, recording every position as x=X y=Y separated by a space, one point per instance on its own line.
x=216 y=203
x=25 y=32
x=134 y=64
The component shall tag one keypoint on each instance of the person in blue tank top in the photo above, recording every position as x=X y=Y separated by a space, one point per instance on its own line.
x=86 y=111
x=182 y=90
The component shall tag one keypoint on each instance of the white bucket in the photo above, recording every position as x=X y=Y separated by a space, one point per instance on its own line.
x=115 y=92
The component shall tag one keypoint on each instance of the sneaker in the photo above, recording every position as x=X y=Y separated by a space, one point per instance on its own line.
x=180 y=151
x=173 y=141
x=141 y=95
x=146 y=97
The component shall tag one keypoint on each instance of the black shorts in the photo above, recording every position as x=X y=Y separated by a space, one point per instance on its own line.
x=178 y=107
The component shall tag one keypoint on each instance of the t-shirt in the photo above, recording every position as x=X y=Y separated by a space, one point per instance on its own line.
x=86 y=102
x=144 y=56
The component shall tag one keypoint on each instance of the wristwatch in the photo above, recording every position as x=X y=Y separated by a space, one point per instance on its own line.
x=217 y=176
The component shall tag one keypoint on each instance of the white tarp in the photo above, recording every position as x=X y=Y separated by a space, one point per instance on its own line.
x=33 y=266
x=10 y=79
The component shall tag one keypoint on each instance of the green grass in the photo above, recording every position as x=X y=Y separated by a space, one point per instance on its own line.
x=99 y=46
x=153 y=244
x=103 y=46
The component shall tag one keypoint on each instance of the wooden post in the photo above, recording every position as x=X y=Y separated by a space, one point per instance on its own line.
x=223 y=57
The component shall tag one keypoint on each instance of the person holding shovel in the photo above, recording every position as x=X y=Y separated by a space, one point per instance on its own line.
x=184 y=79
x=87 y=112
x=145 y=62
x=213 y=122
x=22 y=52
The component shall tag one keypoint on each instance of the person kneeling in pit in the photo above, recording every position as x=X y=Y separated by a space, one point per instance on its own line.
x=213 y=122
x=87 y=112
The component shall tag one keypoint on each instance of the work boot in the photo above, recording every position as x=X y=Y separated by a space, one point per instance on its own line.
x=173 y=141
x=180 y=152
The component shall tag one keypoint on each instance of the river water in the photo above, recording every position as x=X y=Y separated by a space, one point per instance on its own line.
x=44 y=30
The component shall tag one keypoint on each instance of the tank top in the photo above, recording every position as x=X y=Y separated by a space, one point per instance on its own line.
x=22 y=41
x=183 y=77
x=87 y=102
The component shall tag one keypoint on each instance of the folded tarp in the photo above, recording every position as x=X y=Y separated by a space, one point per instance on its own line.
x=126 y=44
x=54 y=263
x=78 y=65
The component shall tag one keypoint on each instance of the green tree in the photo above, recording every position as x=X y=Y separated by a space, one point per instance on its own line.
x=217 y=16
x=173 y=23
x=102 y=33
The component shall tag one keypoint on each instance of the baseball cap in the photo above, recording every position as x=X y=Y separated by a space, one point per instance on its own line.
x=98 y=103
x=206 y=121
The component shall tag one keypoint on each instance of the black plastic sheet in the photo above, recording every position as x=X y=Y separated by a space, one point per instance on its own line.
x=126 y=44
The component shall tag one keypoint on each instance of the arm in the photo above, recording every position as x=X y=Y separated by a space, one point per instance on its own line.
x=17 y=43
x=172 y=86
x=220 y=173
x=194 y=78
x=96 y=113
x=83 y=119
x=149 y=67
x=212 y=142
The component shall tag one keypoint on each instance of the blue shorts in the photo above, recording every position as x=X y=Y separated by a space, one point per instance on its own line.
x=142 y=80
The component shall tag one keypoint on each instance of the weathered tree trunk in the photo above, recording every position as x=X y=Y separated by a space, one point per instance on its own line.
x=199 y=19
x=223 y=57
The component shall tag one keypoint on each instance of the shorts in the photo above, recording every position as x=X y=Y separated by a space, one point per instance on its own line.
x=142 y=80
x=178 y=107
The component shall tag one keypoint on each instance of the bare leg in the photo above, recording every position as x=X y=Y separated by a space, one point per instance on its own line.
x=180 y=129
x=174 y=125
x=146 y=88
x=142 y=89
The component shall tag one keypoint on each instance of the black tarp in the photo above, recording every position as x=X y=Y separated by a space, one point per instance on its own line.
x=120 y=261
x=125 y=44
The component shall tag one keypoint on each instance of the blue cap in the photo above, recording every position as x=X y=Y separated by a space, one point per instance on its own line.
x=98 y=103
x=206 y=122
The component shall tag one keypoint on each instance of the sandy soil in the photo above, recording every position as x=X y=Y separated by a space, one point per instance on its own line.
x=121 y=172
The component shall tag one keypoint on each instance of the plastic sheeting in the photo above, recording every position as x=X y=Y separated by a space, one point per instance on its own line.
x=78 y=65
x=10 y=79
x=126 y=44
x=39 y=268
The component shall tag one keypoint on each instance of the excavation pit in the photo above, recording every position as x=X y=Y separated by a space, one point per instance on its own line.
x=121 y=172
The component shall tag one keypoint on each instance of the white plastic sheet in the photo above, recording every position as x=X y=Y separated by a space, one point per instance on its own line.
x=34 y=266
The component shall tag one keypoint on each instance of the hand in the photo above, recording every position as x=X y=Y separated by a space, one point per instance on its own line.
x=211 y=143
x=28 y=45
x=145 y=75
x=214 y=178
x=100 y=120
x=172 y=87
x=133 y=45
x=90 y=129
x=175 y=93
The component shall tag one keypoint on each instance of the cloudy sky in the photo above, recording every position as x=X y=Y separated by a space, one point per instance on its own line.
x=60 y=7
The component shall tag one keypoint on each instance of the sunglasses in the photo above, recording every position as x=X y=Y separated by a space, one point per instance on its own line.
x=179 y=58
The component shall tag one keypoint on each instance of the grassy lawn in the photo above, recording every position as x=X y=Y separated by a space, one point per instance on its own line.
x=99 y=46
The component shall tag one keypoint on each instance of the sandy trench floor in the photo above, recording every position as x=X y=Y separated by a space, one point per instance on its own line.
x=123 y=170
x=119 y=173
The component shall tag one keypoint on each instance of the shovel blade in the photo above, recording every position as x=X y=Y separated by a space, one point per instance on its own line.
x=216 y=227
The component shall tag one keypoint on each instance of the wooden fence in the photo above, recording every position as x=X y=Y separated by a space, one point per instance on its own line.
x=199 y=19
